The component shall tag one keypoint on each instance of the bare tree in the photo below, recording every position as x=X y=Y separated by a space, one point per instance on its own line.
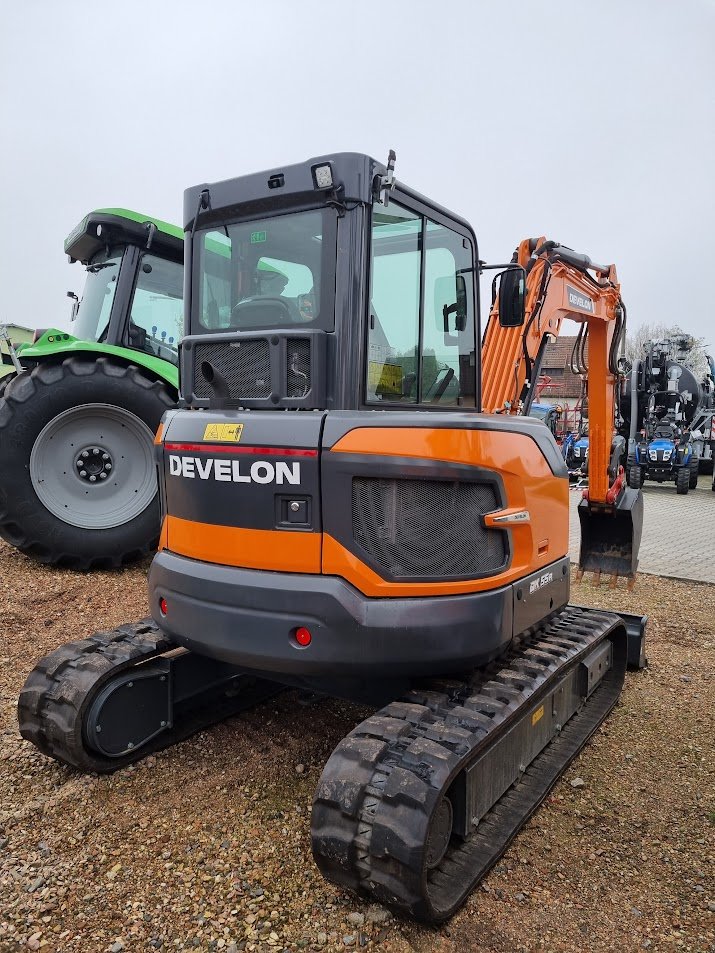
x=686 y=349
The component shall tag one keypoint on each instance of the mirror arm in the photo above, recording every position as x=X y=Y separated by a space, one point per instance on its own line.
x=446 y=311
x=484 y=267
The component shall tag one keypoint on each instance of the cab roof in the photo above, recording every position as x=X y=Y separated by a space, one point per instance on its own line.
x=115 y=226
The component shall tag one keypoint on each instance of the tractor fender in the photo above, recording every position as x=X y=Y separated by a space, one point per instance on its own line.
x=57 y=345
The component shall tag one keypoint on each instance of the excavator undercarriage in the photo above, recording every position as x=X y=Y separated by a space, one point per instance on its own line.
x=419 y=801
x=340 y=516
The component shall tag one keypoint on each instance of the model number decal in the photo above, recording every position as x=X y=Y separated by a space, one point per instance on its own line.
x=542 y=581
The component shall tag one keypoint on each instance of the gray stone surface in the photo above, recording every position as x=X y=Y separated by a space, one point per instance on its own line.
x=678 y=531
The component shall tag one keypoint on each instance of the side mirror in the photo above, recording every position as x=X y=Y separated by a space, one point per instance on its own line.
x=75 y=305
x=510 y=287
x=450 y=297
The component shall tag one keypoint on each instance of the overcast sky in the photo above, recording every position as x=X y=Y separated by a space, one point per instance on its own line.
x=592 y=123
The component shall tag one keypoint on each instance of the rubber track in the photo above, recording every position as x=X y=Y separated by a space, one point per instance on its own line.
x=381 y=786
x=61 y=687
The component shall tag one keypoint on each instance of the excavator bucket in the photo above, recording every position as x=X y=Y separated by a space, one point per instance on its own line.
x=611 y=534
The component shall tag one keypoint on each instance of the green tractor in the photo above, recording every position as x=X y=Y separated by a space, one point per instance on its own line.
x=77 y=474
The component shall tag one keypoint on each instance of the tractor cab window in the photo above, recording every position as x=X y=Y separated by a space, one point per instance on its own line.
x=271 y=273
x=421 y=341
x=156 y=319
x=92 y=319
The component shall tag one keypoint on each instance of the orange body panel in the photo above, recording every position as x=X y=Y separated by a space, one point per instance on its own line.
x=162 y=535
x=280 y=550
x=528 y=482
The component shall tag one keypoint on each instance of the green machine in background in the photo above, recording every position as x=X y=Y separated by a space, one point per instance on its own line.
x=77 y=475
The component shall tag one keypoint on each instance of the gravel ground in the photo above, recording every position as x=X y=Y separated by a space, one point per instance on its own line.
x=206 y=846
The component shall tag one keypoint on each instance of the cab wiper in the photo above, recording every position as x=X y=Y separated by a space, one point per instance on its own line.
x=101 y=264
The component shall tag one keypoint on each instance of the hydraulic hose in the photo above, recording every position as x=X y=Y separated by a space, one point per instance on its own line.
x=635 y=370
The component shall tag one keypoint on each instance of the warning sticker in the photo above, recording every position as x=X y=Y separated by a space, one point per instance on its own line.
x=227 y=433
x=385 y=379
x=537 y=715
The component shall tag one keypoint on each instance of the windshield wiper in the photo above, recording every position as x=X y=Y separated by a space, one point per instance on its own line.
x=101 y=264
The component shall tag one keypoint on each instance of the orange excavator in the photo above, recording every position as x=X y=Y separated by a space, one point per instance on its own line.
x=556 y=284
x=340 y=515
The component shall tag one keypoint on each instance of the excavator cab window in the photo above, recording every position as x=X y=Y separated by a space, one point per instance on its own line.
x=268 y=273
x=421 y=338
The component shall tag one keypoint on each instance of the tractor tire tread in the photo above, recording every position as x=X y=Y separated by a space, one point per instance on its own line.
x=23 y=388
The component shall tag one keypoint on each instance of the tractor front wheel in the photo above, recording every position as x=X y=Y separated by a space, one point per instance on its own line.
x=634 y=476
x=694 y=471
x=682 y=480
x=77 y=473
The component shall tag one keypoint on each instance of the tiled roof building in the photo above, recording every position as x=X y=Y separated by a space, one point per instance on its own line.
x=564 y=385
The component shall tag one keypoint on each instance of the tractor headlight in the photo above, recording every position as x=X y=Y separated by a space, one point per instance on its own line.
x=577 y=451
x=666 y=454
x=653 y=454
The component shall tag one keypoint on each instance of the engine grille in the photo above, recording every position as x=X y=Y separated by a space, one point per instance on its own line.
x=244 y=365
x=428 y=529
x=298 y=367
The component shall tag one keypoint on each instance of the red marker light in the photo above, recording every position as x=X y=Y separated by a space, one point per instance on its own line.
x=163 y=608
x=303 y=636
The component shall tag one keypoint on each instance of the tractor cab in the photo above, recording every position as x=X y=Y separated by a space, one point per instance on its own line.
x=134 y=285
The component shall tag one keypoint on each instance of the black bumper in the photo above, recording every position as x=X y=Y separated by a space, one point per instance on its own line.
x=249 y=617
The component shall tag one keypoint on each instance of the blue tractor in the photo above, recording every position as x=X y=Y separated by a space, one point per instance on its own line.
x=667 y=457
x=575 y=452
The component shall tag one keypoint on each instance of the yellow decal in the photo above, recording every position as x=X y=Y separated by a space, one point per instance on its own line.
x=385 y=379
x=225 y=432
x=538 y=715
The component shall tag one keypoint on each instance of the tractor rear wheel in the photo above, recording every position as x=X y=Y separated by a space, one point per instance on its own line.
x=682 y=480
x=77 y=474
x=5 y=380
x=635 y=476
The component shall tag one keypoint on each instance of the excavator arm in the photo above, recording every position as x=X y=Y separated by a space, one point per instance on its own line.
x=560 y=284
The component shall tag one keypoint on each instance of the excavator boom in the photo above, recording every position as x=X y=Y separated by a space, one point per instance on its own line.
x=563 y=284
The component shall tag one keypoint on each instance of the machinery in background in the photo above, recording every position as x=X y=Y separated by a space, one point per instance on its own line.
x=661 y=402
x=77 y=419
x=575 y=449
x=341 y=516
x=702 y=429
x=548 y=414
x=12 y=339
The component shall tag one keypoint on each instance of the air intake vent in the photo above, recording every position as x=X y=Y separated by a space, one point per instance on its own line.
x=278 y=369
x=428 y=529
x=244 y=365
x=298 y=369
